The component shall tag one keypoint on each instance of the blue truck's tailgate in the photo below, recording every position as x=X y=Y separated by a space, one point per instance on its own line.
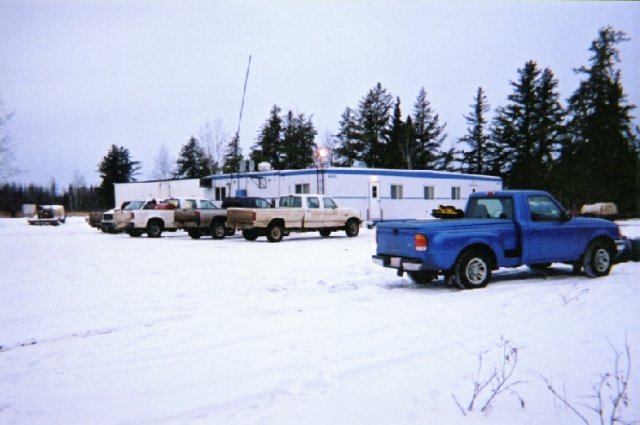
x=398 y=237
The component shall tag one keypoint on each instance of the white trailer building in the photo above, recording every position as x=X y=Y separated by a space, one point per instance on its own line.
x=379 y=194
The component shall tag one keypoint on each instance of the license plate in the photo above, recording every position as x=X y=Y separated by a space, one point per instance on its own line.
x=395 y=262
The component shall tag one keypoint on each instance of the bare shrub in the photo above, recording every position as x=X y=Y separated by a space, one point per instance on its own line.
x=610 y=394
x=489 y=383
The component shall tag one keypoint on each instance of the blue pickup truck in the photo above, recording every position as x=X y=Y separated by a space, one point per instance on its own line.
x=499 y=229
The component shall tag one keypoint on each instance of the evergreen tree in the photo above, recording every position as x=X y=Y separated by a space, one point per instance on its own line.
x=528 y=130
x=373 y=125
x=298 y=145
x=514 y=129
x=269 y=147
x=600 y=161
x=12 y=197
x=396 y=153
x=429 y=135
x=192 y=162
x=477 y=160
x=349 y=147
x=116 y=167
x=550 y=130
x=408 y=144
x=446 y=160
x=232 y=156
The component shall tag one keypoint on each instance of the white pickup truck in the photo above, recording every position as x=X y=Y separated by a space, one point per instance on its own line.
x=295 y=213
x=153 y=217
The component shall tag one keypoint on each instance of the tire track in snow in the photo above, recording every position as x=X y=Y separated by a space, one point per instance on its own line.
x=35 y=341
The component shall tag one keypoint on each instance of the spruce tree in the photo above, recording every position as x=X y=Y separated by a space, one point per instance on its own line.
x=349 y=146
x=409 y=143
x=298 y=142
x=550 y=130
x=429 y=135
x=192 y=162
x=477 y=160
x=116 y=167
x=374 y=113
x=268 y=147
x=232 y=156
x=395 y=156
x=600 y=160
x=527 y=131
x=513 y=129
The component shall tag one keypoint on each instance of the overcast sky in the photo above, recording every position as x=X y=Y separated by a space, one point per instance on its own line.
x=83 y=75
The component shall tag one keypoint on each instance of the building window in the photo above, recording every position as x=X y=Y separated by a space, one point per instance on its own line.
x=428 y=192
x=396 y=191
x=302 y=188
x=455 y=192
x=221 y=193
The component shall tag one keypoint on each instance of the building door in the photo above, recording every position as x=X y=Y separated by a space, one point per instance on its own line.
x=375 y=208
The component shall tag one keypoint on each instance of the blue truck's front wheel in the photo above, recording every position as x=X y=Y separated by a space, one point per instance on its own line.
x=597 y=260
x=472 y=269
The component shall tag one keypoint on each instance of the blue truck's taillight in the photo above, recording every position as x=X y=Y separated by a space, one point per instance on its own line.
x=421 y=241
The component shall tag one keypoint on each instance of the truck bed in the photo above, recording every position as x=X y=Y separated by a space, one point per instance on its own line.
x=398 y=239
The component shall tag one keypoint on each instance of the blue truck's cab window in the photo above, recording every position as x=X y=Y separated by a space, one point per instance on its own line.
x=490 y=207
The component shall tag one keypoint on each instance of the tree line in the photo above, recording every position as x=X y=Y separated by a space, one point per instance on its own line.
x=74 y=198
x=586 y=151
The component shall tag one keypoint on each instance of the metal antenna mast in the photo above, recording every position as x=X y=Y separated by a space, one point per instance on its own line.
x=244 y=92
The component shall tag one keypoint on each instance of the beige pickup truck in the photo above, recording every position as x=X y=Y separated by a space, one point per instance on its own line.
x=295 y=213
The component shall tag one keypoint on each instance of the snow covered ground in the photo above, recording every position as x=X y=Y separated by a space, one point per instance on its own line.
x=108 y=329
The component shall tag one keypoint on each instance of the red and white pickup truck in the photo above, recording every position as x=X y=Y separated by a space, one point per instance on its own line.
x=153 y=217
x=295 y=213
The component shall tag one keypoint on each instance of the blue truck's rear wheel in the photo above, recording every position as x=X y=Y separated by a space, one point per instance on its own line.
x=472 y=270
